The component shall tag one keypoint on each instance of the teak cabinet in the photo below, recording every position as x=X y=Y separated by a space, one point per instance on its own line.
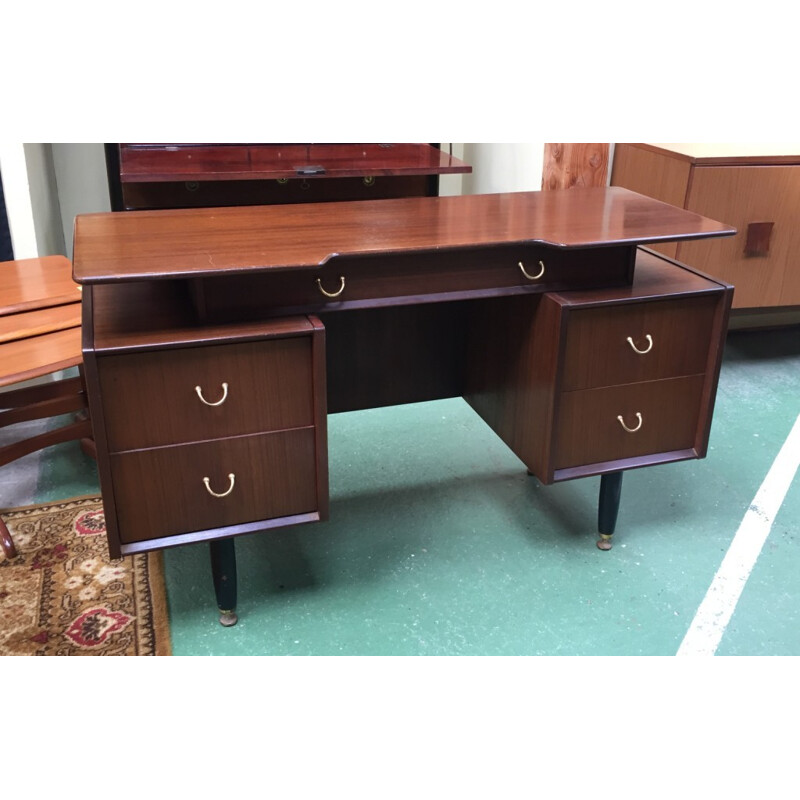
x=217 y=341
x=755 y=189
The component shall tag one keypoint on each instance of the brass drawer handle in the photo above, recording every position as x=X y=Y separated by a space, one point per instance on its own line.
x=207 y=482
x=649 y=345
x=631 y=430
x=331 y=294
x=532 y=277
x=219 y=402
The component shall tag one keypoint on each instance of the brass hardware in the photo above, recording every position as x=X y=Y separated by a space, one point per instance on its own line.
x=649 y=345
x=604 y=542
x=331 y=294
x=631 y=430
x=282 y=181
x=207 y=482
x=532 y=277
x=369 y=180
x=192 y=186
x=219 y=402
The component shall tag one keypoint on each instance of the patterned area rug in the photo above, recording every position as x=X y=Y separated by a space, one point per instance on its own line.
x=64 y=596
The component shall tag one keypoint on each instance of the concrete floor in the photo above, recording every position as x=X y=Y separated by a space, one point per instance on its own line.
x=439 y=543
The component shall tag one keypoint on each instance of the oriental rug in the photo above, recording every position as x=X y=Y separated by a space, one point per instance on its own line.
x=63 y=595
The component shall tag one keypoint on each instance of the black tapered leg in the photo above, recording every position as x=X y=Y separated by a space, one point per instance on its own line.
x=223 y=569
x=608 y=508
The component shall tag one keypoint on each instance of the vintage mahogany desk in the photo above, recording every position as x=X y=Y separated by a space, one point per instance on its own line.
x=216 y=341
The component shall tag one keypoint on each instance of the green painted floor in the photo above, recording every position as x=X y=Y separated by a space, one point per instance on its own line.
x=439 y=543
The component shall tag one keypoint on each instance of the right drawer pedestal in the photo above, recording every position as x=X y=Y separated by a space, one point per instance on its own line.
x=595 y=382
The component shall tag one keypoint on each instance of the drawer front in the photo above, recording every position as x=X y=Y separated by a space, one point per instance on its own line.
x=662 y=416
x=162 y=492
x=637 y=342
x=382 y=280
x=150 y=399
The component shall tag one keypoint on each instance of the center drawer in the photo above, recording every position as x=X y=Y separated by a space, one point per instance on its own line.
x=347 y=281
x=193 y=394
x=633 y=342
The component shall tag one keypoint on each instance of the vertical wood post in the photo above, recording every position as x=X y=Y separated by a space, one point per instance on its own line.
x=568 y=165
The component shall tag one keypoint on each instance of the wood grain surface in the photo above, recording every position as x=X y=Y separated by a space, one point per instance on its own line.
x=214 y=241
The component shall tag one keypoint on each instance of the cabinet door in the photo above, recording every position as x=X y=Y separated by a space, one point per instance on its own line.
x=740 y=196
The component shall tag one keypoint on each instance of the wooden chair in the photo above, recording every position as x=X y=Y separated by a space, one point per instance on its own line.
x=40 y=333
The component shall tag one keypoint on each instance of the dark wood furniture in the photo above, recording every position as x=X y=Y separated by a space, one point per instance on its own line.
x=40 y=319
x=148 y=176
x=216 y=341
x=754 y=187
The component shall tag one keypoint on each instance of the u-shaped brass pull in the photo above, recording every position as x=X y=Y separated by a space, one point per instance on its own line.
x=532 y=277
x=331 y=294
x=631 y=430
x=647 y=349
x=207 y=482
x=219 y=402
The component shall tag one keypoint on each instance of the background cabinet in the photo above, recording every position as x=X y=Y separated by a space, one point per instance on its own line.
x=754 y=188
x=152 y=176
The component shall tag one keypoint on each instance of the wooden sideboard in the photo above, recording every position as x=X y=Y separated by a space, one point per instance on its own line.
x=217 y=341
x=150 y=176
x=754 y=187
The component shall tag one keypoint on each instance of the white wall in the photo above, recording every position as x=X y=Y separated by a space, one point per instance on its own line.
x=495 y=168
x=80 y=171
x=45 y=187
x=503 y=168
x=19 y=207
x=44 y=200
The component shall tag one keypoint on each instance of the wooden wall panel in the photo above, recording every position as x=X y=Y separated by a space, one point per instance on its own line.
x=575 y=164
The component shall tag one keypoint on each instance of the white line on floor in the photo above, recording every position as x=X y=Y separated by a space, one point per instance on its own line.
x=716 y=610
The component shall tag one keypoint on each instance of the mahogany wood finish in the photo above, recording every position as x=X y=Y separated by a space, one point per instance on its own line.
x=552 y=380
x=597 y=351
x=217 y=194
x=434 y=305
x=208 y=175
x=663 y=415
x=209 y=162
x=371 y=281
x=151 y=398
x=159 y=245
x=390 y=356
x=160 y=491
x=151 y=422
x=754 y=187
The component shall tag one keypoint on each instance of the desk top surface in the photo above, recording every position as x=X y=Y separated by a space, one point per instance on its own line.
x=148 y=245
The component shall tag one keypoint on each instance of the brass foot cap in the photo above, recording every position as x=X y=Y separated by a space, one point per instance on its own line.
x=227 y=618
x=604 y=542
